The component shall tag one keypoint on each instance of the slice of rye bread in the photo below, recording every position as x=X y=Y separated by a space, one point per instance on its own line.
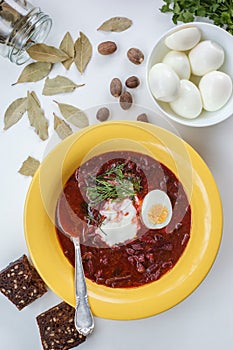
x=57 y=328
x=21 y=283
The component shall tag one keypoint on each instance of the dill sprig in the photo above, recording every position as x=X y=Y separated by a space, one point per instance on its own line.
x=114 y=183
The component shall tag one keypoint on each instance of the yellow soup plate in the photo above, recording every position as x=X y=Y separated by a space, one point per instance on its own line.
x=201 y=189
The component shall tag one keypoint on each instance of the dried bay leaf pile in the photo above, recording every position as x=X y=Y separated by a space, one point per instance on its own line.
x=46 y=56
x=32 y=106
x=78 y=52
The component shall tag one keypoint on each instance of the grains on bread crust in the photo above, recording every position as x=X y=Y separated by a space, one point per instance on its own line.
x=57 y=328
x=21 y=283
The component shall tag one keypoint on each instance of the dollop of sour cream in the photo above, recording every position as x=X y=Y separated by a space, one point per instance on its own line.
x=120 y=223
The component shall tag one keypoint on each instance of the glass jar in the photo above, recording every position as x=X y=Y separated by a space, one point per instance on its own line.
x=21 y=25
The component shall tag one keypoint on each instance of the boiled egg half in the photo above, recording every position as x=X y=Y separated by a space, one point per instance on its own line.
x=156 y=210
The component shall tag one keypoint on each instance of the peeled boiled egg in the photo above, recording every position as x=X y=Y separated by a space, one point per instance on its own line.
x=164 y=82
x=183 y=39
x=216 y=89
x=156 y=211
x=206 y=57
x=179 y=62
x=188 y=103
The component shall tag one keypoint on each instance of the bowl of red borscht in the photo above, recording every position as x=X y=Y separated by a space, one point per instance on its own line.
x=147 y=211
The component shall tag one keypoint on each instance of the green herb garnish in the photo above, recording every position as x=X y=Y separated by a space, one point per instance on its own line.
x=219 y=11
x=114 y=183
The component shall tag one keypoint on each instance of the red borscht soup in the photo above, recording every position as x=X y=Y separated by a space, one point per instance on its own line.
x=129 y=236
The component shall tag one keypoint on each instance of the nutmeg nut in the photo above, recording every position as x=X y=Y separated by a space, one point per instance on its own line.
x=102 y=114
x=116 y=87
x=126 y=100
x=135 y=55
x=107 y=47
x=132 y=82
x=142 y=118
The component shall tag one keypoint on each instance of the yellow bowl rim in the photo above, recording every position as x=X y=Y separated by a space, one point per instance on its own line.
x=158 y=296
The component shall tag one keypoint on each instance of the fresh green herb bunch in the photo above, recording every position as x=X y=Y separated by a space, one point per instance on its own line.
x=115 y=183
x=218 y=11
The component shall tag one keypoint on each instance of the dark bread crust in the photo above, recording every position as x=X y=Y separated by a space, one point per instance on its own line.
x=57 y=329
x=21 y=283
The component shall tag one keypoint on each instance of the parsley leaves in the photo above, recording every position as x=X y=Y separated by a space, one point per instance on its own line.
x=218 y=11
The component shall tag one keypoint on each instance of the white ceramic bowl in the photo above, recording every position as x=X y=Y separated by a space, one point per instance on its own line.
x=209 y=32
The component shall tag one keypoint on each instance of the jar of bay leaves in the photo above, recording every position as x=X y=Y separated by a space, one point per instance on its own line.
x=21 y=25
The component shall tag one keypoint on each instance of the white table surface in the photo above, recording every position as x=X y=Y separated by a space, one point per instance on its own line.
x=202 y=321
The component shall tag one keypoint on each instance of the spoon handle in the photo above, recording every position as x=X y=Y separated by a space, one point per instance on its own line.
x=84 y=321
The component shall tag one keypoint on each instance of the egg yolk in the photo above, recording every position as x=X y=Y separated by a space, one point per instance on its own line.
x=157 y=214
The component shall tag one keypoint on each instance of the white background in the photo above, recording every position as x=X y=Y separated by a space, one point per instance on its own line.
x=205 y=319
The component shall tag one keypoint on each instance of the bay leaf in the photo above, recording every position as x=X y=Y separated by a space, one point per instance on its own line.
x=36 y=116
x=58 y=85
x=67 y=45
x=29 y=166
x=73 y=115
x=46 y=53
x=61 y=127
x=35 y=98
x=14 y=112
x=68 y=63
x=83 y=52
x=34 y=71
x=116 y=24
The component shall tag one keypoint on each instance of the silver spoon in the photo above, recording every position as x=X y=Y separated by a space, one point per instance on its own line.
x=84 y=321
